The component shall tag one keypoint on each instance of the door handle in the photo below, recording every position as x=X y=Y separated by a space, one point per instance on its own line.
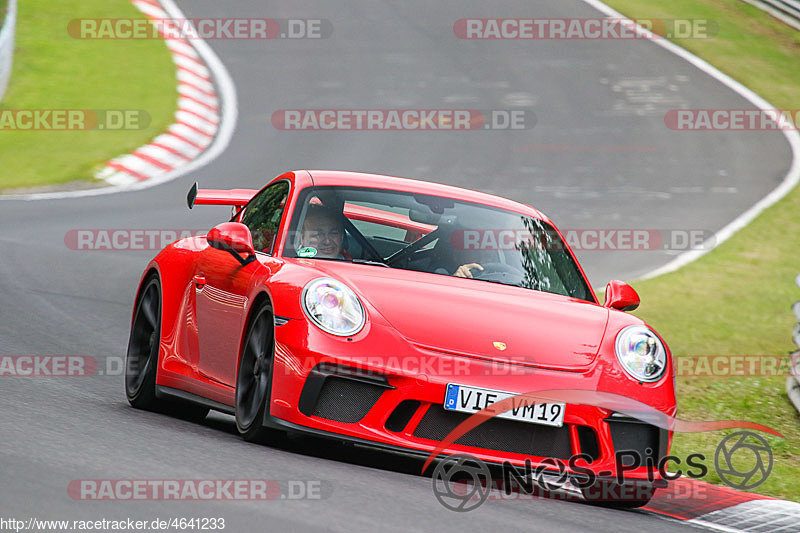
x=199 y=281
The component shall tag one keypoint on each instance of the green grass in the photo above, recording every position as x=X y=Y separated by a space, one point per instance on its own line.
x=54 y=71
x=3 y=9
x=737 y=299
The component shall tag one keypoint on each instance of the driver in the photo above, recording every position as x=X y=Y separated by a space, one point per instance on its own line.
x=323 y=230
x=459 y=253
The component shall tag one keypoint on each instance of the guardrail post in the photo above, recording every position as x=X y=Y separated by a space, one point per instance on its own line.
x=7 y=45
x=793 y=381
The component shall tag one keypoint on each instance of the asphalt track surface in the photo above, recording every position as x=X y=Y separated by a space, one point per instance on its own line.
x=599 y=157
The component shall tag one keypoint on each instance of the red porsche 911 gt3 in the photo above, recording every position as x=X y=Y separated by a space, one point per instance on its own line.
x=387 y=311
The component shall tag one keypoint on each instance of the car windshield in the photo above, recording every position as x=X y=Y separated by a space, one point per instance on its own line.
x=432 y=234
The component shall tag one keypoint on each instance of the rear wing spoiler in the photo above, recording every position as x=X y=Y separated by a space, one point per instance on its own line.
x=232 y=197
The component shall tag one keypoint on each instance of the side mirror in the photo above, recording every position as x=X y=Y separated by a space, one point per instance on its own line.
x=620 y=295
x=234 y=238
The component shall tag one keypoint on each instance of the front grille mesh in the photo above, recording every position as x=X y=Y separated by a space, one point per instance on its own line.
x=498 y=434
x=346 y=400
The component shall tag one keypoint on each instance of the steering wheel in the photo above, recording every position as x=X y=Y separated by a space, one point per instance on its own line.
x=406 y=252
x=499 y=272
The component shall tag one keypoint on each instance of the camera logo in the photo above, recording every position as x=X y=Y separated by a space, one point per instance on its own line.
x=743 y=460
x=461 y=483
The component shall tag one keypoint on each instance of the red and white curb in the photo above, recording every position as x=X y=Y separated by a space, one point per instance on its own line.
x=196 y=121
x=203 y=127
x=724 y=509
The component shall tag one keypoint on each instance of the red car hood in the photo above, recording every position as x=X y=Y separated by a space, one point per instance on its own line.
x=468 y=317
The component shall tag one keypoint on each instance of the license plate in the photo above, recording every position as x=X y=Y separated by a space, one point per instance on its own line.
x=466 y=399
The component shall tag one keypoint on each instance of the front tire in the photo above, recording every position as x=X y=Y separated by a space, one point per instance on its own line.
x=254 y=376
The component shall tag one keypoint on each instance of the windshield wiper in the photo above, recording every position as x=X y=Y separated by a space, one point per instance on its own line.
x=370 y=262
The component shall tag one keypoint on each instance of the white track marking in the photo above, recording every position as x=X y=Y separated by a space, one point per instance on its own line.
x=139 y=165
x=197 y=81
x=191 y=105
x=163 y=155
x=192 y=65
x=177 y=144
x=191 y=92
x=195 y=121
x=189 y=134
x=181 y=46
x=150 y=10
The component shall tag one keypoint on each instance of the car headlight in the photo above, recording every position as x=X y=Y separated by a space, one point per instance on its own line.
x=641 y=353
x=333 y=307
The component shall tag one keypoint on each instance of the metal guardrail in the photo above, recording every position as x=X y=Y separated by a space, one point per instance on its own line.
x=7 y=45
x=793 y=381
x=786 y=10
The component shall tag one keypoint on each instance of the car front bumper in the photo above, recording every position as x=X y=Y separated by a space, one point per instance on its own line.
x=382 y=390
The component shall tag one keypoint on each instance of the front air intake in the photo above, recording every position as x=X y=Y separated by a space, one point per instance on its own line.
x=498 y=434
x=342 y=394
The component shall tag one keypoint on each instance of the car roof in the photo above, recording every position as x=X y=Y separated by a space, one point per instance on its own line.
x=361 y=179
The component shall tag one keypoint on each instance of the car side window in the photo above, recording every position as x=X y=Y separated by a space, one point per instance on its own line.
x=263 y=215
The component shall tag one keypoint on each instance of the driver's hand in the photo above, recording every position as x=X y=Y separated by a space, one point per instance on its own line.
x=465 y=271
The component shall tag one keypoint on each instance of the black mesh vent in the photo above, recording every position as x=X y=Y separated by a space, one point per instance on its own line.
x=346 y=400
x=401 y=415
x=498 y=434
x=634 y=436
x=588 y=442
